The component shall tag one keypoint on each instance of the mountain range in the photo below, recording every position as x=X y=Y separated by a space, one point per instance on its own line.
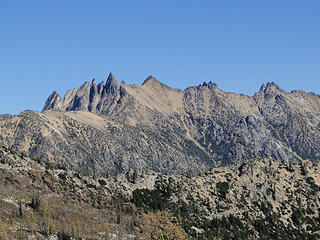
x=112 y=127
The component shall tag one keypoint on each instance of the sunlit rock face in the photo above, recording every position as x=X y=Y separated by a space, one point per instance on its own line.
x=114 y=127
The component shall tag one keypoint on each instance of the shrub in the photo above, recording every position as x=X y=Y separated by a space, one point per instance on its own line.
x=90 y=185
x=63 y=236
x=102 y=182
x=132 y=177
x=223 y=189
x=312 y=184
x=62 y=176
x=149 y=199
x=297 y=217
x=35 y=201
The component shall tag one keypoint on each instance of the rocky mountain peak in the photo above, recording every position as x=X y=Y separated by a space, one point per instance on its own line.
x=53 y=101
x=93 y=82
x=111 y=84
x=150 y=80
x=85 y=98
x=153 y=83
x=272 y=87
x=269 y=87
x=262 y=88
x=268 y=92
x=111 y=79
x=212 y=85
x=100 y=87
x=219 y=126
x=85 y=86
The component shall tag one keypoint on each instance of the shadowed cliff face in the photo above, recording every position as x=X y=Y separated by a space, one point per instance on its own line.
x=115 y=126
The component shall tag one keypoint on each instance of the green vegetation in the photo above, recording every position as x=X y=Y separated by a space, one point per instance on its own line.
x=218 y=204
x=223 y=189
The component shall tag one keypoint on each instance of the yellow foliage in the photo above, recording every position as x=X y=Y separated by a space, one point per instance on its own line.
x=163 y=226
x=44 y=207
x=37 y=173
x=141 y=228
x=107 y=232
x=50 y=226
x=4 y=231
x=134 y=208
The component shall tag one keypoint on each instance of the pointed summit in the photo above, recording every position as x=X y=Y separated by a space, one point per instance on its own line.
x=86 y=85
x=111 y=84
x=100 y=87
x=111 y=77
x=262 y=88
x=94 y=82
x=150 y=80
x=212 y=85
x=53 y=102
x=150 y=77
x=269 y=87
x=93 y=89
x=268 y=91
x=154 y=83
x=272 y=85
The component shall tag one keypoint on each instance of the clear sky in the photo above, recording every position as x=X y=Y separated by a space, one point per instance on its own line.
x=48 y=45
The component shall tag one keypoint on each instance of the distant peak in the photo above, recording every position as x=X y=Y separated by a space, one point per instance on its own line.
x=111 y=78
x=94 y=82
x=262 y=87
x=85 y=85
x=150 y=79
x=272 y=84
x=54 y=93
x=212 y=85
x=52 y=102
x=111 y=84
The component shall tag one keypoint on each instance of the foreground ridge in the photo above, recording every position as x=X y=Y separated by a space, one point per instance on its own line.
x=258 y=199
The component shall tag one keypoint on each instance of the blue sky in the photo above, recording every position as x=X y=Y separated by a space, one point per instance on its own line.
x=58 y=45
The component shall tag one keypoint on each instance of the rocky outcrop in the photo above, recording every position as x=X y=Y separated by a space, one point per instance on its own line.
x=53 y=101
x=89 y=97
x=116 y=126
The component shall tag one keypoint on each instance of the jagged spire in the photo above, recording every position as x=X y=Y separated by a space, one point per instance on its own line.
x=94 y=82
x=111 y=78
x=100 y=87
x=272 y=84
x=111 y=84
x=53 y=102
x=93 y=89
x=212 y=85
x=262 y=87
x=85 y=85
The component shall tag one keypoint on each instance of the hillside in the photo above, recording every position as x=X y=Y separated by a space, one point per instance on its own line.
x=258 y=199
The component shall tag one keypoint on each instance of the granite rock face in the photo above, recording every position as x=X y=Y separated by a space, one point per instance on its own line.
x=89 y=97
x=115 y=126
